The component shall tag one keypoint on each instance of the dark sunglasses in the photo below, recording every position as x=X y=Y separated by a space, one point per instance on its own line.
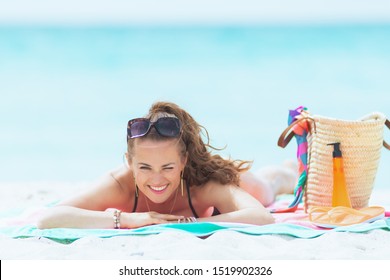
x=165 y=126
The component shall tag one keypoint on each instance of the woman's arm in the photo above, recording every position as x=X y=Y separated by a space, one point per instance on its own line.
x=89 y=210
x=234 y=204
x=73 y=217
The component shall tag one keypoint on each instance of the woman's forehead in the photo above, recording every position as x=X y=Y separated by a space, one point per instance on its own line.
x=156 y=153
x=152 y=148
x=144 y=142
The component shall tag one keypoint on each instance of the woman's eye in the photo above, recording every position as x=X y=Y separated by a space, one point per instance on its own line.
x=144 y=168
x=168 y=168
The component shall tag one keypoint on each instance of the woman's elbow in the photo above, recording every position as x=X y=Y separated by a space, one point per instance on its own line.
x=49 y=218
x=261 y=217
x=270 y=219
x=43 y=222
x=266 y=218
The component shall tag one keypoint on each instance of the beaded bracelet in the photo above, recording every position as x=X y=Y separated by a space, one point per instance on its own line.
x=117 y=219
x=187 y=220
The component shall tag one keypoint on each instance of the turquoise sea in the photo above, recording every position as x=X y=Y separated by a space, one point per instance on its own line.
x=67 y=92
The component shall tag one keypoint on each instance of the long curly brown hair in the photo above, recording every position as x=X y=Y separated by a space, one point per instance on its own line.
x=202 y=166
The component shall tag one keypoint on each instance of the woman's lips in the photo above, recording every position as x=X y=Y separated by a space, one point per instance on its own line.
x=158 y=189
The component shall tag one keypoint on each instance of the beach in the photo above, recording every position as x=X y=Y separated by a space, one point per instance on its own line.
x=222 y=245
x=73 y=75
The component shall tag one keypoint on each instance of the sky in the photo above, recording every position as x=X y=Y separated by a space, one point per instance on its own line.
x=90 y=12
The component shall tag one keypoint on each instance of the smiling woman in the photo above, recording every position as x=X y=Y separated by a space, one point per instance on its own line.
x=171 y=175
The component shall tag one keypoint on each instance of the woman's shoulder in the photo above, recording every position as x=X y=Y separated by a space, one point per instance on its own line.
x=112 y=190
x=123 y=177
x=116 y=188
x=208 y=191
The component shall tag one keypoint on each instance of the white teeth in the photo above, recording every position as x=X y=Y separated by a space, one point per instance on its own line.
x=158 y=188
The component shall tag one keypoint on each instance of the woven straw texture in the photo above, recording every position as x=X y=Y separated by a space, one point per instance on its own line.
x=361 y=144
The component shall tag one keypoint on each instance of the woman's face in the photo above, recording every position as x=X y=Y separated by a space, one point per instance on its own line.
x=157 y=166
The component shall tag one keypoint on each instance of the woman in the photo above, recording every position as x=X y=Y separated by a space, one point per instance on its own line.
x=171 y=176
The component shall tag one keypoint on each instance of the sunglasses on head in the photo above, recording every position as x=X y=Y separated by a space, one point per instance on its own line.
x=165 y=126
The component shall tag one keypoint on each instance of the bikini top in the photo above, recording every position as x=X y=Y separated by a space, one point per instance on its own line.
x=189 y=202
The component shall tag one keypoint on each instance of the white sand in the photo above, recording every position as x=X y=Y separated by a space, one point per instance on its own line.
x=181 y=245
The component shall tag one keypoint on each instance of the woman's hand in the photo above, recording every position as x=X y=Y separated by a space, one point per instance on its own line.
x=136 y=220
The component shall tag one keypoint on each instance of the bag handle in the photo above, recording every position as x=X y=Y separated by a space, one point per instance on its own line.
x=386 y=145
x=284 y=139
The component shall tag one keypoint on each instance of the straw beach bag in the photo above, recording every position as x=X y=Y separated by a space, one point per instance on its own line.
x=361 y=143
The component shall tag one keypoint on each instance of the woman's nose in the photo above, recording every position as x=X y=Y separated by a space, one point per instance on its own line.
x=156 y=177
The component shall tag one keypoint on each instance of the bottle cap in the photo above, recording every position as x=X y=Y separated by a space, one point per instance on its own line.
x=336 y=149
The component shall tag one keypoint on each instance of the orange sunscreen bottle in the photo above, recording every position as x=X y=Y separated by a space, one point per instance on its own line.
x=340 y=193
